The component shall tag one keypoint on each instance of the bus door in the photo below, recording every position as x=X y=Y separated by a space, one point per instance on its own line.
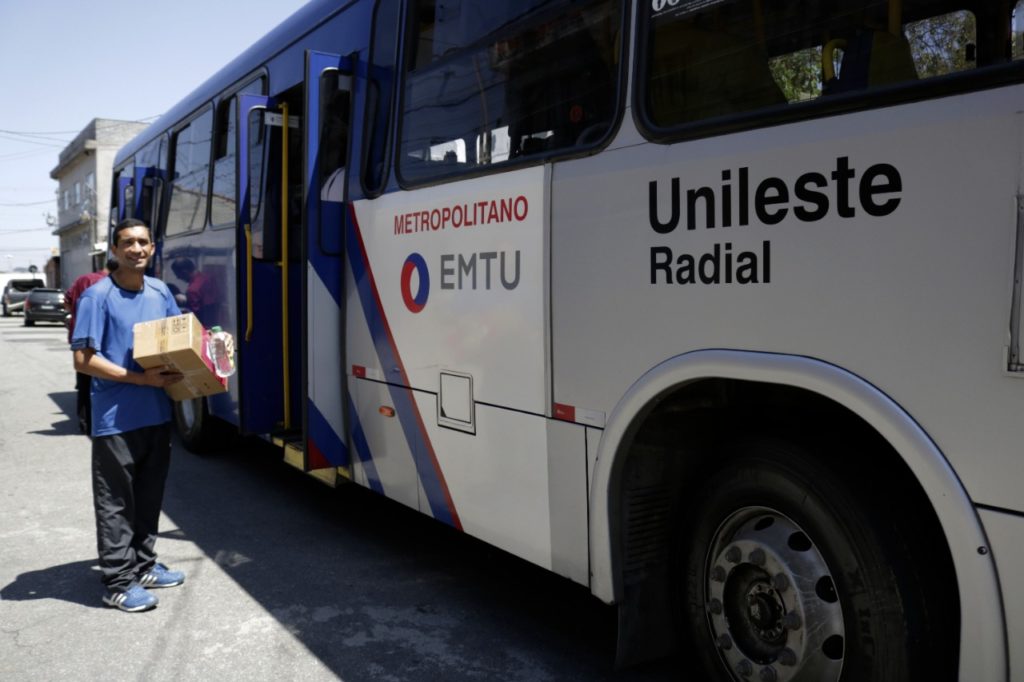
x=125 y=194
x=328 y=120
x=261 y=377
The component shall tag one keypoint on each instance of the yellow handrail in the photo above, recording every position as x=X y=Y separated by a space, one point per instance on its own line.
x=248 y=282
x=284 y=265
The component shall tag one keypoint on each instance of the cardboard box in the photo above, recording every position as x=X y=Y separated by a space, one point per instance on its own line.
x=179 y=342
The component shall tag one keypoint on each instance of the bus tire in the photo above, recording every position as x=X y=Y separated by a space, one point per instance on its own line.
x=790 y=573
x=200 y=431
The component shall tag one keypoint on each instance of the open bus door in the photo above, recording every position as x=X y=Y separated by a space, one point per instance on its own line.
x=328 y=105
x=259 y=344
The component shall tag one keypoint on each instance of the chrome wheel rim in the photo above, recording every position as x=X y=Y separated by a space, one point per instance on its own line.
x=771 y=602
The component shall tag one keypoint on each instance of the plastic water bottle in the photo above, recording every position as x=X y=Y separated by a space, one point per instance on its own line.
x=216 y=347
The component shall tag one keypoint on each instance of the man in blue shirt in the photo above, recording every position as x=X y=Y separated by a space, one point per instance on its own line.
x=131 y=416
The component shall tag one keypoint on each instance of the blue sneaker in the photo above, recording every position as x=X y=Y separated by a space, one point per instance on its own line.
x=161 y=576
x=135 y=598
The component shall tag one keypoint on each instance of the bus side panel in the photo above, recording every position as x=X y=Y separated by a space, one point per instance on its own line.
x=455 y=278
x=1006 y=536
x=915 y=300
x=503 y=487
x=382 y=459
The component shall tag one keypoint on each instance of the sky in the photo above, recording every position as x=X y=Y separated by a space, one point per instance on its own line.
x=66 y=62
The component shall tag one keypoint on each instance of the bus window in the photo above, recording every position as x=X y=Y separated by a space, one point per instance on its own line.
x=149 y=165
x=542 y=74
x=222 y=197
x=190 y=176
x=334 y=115
x=380 y=90
x=1018 y=30
x=257 y=152
x=710 y=60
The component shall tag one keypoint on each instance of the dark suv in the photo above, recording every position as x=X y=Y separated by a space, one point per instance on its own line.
x=44 y=305
x=15 y=293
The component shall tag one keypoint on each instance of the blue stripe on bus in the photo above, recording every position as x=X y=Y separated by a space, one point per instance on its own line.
x=427 y=466
x=362 y=448
x=322 y=434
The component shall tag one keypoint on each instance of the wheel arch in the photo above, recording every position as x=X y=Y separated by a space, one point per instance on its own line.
x=982 y=624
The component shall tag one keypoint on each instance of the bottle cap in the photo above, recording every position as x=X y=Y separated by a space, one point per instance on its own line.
x=216 y=329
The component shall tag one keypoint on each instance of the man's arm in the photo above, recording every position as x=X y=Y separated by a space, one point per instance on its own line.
x=88 y=362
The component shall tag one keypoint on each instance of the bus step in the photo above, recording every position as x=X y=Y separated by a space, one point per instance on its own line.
x=294 y=455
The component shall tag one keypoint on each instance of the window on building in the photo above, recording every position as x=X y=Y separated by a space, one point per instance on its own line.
x=190 y=176
x=78 y=193
x=536 y=76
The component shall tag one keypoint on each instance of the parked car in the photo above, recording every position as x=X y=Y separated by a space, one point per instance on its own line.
x=15 y=293
x=44 y=305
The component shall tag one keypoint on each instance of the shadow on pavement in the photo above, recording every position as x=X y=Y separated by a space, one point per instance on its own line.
x=378 y=591
x=68 y=426
x=76 y=582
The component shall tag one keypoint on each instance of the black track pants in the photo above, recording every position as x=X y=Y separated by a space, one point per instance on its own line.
x=83 y=384
x=128 y=474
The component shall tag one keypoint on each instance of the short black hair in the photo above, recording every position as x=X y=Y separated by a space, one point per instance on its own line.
x=125 y=224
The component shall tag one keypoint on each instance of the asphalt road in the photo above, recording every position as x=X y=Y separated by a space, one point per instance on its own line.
x=287 y=579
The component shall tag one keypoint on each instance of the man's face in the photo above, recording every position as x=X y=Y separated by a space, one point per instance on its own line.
x=133 y=249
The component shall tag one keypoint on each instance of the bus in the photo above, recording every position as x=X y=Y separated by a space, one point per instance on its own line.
x=710 y=306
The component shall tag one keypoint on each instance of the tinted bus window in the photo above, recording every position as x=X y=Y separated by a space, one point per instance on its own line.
x=222 y=198
x=488 y=83
x=149 y=165
x=708 y=60
x=381 y=81
x=190 y=176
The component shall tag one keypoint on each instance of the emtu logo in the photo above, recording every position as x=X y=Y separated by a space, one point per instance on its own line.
x=415 y=263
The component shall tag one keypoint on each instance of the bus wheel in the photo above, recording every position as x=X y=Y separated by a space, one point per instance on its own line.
x=787 y=575
x=195 y=425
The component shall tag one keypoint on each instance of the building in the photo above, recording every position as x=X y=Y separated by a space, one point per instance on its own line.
x=83 y=194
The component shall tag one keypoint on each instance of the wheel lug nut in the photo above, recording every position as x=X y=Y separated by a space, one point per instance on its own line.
x=780 y=582
x=757 y=557
x=745 y=668
x=725 y=642
x=715 y=606
x=768 y=675
x=733 y=555
x=787 y=657
x=718 y=574
x=791 y=621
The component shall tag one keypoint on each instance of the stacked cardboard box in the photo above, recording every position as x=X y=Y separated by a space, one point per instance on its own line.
x=180 y=343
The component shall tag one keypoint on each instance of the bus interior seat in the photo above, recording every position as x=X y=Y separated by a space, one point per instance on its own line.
x=871 y=59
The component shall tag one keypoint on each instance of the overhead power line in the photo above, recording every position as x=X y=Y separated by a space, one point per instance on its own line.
x=30 y=203
x=27 y=229
x=145 y=119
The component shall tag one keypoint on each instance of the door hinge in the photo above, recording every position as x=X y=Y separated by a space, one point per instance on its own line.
x=1015 y=361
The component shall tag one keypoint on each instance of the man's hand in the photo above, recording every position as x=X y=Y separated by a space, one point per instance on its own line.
x=161 y=376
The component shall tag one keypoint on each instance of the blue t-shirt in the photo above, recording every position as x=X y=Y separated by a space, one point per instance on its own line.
x=104 y=321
